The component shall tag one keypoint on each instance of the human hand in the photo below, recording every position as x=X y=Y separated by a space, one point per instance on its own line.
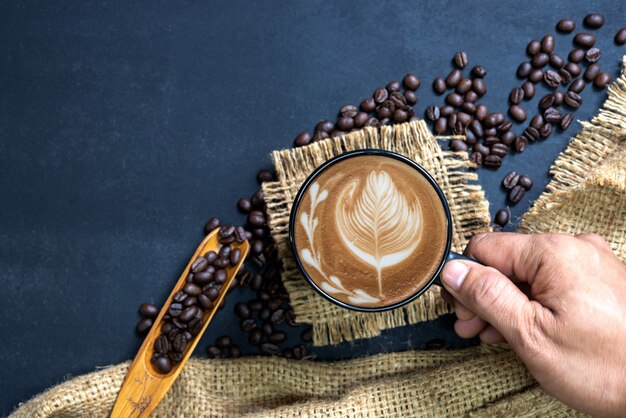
x=560 y=303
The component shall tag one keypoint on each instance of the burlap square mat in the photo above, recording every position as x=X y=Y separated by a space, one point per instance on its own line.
x=470 y=215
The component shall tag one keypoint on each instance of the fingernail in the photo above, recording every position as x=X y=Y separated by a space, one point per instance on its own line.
x=453 y=274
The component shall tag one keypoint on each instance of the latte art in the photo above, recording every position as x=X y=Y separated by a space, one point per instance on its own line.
x=382 y=228
x=370 y=230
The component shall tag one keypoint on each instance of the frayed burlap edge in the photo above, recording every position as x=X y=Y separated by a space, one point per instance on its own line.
x=470 y=214
x=588 y=189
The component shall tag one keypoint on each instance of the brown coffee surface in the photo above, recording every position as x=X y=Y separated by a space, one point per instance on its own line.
x=370 y=231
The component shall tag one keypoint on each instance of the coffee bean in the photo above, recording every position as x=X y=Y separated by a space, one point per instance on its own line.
x=573 y=100
x=214 y=352
x=463 y=118
x=577 y=85
x=593 y=55
x=380 y=95
x=479 y=71
x=566 y=77
x=162 y=364
x=223 y=342
x=518 y=113
x=516 y=194
x=267 y=328
x=492 y=161
x=212 y=293
x=552 y=78
x=476 y=158
x=176 y=308
x=161 y=345
x=234 y=351
x=535 y=76
x=200 y=264
x=546 y=130
x=190 y=301
x=144 y=325
x=479 y=86
x=432 y=113
x=345 y=123
x=499 y=150
x=204 y=302
x=547 y=44
x=566 y=25
x=532 y=133
x=278 y=337
x=393 y=86
x=566 y=121
x=264 y=175
x=502 y=217
x=521 y=143
x=481 y=112
x=454 y=99
x=458 y=145
x=452 y=122
x=476 y=128
x=372 y=122
x=558 y=98
x=585 y=40
x=188 y=314
x=325 y=125
x=594 y=20
x=533 y=47
x=360 y=119
x=368 y=105
x=524 y=69
x=528 y=89
x=439 y=85
x=556 y=61
x=211 y=224
x=220 y=276
x=454 y=78
x=383 y=112
x=410 y=96
x=180 y=343
x=400 y=116
x=620 y=37
x=278 y=316
x=255 y=337
x=602 y=80
x=508 y=138
x=235 y=256
x=573 y=69
x=510 y=180
x=526 y=182
x=552 y=115
x=148 y=310
x=446 y=110
x=504 y=126
x=576 y=55
x=491 y=132
x=224 y=252
x=460 y=59
x=540 y=60
x=489 y=141
x=411 y=82
x=516 y=95
x=248 y=325
x=441 y=125
x=464 y=86
x=268 y=348
x=536 y=121
x=546 y=101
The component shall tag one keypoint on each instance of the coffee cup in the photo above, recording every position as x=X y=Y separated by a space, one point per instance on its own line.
x=371 y=230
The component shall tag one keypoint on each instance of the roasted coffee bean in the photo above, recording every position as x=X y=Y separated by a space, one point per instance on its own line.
x=148 y=310
x=204 y=302
x=162 y=364
x=190 y=301
x=411 y=82
x=223 y=341
x=537 y=121
x=345 y=123
x=441 y=125
x=535 y=76
x=546 y=130
x=192 y=289
x=532 y=133
x=576 y=55
x=179 y=324
x=508 y=138
x=432 y=113
x=277 y=337
x=368 y=105
x=521 y=143
x=566 y=25
x=518 y=113
x=200 y=264
x=244 y=205
x=620 y=37
x=446 y=110
x=274 y=303
x=214 y=352
x=477 y=158
x=410 y=96
x=212 y=293
x=526 y=182
x=529 y=90
x=516 y=95
x=566 y=77
x=224 y=252
x=504 y=126
x=602 y=80
x=234 y=351
x=510 y=180
x=242 y=310
x=593 y=55
x=220 y=276
x=552 y=115
x=516 y=194
x=256 y=218
x=470 y=138
x=452 y=121
x=360 y=119
x=464 y=86
x=489 y=141
x=540 y=60
x=479 y=71
x=460 y=59
x=499 y=150
x=277 y=317
x=227 y=231
x=477 y=128
x=211 y=224
x=161 y=345
x=372 y=122
x=479 y=86
x=468 y=107
x=547 y=44
x=552 y=78
x=573 y=69
x=210 y=256
x=454 y=78
x=533 y=47
x=594 y=20
x=268 y=348
x=383 y=112
x=546 y=101
x=179 y=296
x=380 y=95
x=481 y=112
x=558 y=98
x=221 y=262
x=464 y=119
x=264 y=175
x=264 y=314
x=188 y=314
x=458 y=145
x=175 y=309
x=393 y=86
x=577 y=85
x=491 y=132
x=257 y=246
x=573 y=100
x=490 y=120
x=556 y=61
x=566 y=121
x=470 y=96
x=299 y=352
x=439 y=85
x=195 y=326
x=492 y=161
x=267 y=328
x=502 y=217
x=255 y=337
x=180 y=343
x=248 y=325
x=325 y=125
x=524 y=69
x=144 y=325
x=320 y=135
x=585 y=40
x=348 y=111
x=235 y=256
x=400 y=116
x=398 y=100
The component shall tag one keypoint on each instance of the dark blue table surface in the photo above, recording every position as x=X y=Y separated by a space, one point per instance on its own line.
x=125 y=125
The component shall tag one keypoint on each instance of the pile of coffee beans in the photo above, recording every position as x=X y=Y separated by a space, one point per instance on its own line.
x=388 y=105
x=185 y=315
x=489 y=137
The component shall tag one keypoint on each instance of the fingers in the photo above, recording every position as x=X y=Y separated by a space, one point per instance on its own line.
x=460 y=310
x=488 y=293
x=490 y=335
x=470 y=328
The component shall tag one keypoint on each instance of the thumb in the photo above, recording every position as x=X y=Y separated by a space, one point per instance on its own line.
x=489 y=294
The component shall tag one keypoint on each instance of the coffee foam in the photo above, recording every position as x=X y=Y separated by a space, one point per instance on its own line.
x=370 y=231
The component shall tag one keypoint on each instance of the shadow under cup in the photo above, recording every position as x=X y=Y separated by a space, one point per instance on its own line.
x=447 y=254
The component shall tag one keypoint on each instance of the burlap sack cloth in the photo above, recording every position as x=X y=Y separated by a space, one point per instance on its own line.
x=587 y=194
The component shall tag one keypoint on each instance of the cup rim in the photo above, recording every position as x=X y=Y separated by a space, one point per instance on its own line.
x=350 y=154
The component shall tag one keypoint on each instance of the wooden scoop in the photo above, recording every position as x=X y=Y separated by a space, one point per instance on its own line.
x=143 y=386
